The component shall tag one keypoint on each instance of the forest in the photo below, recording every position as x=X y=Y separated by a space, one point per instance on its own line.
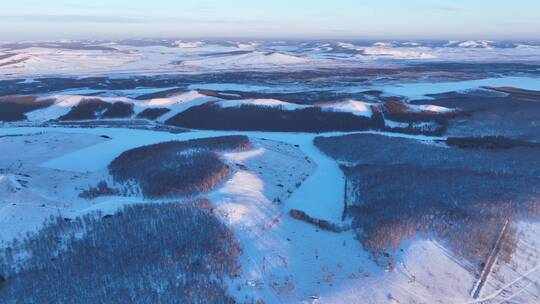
x=176 y=168
x=145 y=253
x=399 y=189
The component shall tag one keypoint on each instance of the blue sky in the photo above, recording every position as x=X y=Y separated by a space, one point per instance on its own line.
x=354 y=19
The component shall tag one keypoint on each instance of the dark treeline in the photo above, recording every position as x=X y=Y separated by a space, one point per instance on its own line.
x=14 y=108
x=305 y=97
x=400 y=188
x=152 y=113
x=94 y=108
x=248 y=117
x=176 y=168
x=159 y=253
x=161 y=94
x=313 y=119
x=489 y=142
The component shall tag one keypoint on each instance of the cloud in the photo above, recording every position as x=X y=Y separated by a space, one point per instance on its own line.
x=72 y=19
x=446 y=8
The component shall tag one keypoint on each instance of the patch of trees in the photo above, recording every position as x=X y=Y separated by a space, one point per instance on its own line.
x=118 y=110
x=86 y=109
x=323 y=224
x=94 y=108
x=177 y=168
x=488 y=142
x=14 y=108
x=146 y=253
x=152 y=113
x=249 y=117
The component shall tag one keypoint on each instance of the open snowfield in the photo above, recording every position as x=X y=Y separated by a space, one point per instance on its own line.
x=280 y=195
x=171 y=56
x=284 y=260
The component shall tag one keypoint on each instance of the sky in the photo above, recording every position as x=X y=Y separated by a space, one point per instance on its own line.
x=303 y=19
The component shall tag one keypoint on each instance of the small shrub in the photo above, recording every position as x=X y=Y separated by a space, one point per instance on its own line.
x=102 y=189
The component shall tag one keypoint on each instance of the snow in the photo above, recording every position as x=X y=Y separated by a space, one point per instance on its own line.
x=359 y=108
x=61 y=106
x=196 y=56
x=476 y=44
x=262 y=103
x=284 y=260
x=397 y=53
x=249 y=59
x=431 y=108
x=419 y=90
x=240 y=87
x=179 y=103
x=132 y=93
x=191 y=44
x=395 y=124
x=346 y=45
x=240 y=157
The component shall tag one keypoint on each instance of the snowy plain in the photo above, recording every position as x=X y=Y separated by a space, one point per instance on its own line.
x=284 y=260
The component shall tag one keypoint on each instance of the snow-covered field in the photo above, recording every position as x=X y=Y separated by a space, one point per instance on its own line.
x=284 y=260
x=170 y=56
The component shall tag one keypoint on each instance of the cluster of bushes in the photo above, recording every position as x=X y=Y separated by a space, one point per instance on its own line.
x=160 y=253
x=176 y=168
x=399 y=188
x=102 y=189
x=152 y=113
x=14 y=108
x=94 y=108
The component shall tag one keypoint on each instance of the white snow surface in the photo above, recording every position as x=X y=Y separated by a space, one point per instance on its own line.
x=196 y=56
x=261 y=103
x=419 y=90
x=249 y=59
x=284 y=260
x=355 y=107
